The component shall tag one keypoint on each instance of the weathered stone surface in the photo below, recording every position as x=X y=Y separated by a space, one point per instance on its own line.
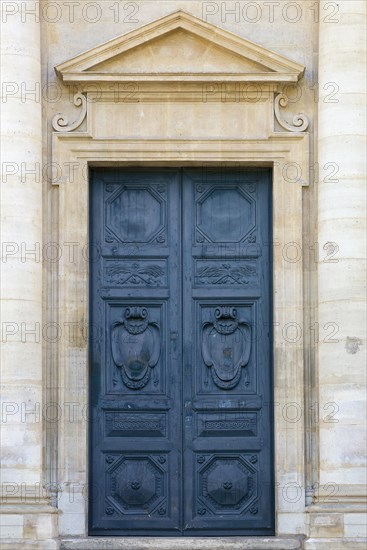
x=187 y=543
x=329 y=39
x=21 y=544
x=335 y=544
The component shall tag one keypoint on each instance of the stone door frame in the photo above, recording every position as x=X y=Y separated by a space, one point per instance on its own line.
x=190 y=113
x=80 y=151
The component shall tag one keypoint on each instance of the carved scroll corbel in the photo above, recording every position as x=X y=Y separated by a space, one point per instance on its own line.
x=300 y=121
x=60 y=122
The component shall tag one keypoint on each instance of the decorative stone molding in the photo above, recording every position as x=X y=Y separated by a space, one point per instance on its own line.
x=198 y=44
x=81 y=150
x=60 y=122
x=300 y=121
x=179 y=59
x=162 y=116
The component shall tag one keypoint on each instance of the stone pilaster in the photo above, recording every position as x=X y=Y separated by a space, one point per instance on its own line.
x=25 y=510
x=341 y=275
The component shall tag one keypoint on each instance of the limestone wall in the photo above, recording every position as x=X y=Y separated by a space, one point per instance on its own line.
x=326 y=37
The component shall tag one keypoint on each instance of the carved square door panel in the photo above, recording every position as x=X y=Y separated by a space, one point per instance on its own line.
x=181 y=436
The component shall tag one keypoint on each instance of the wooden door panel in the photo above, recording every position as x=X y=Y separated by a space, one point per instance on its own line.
x=135 y=375
x=227 y=353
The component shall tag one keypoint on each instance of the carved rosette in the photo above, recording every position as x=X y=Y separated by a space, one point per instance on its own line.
x=135 y=343
x=226 y=347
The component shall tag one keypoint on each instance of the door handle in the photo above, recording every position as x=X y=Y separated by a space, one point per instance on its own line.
x=188 y=413
x=174 y=336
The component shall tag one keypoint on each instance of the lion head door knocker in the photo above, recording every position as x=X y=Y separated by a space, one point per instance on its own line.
x=226 y=347
x=135 y=347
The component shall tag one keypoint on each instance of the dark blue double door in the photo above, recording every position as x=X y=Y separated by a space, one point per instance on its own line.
x=181 y=358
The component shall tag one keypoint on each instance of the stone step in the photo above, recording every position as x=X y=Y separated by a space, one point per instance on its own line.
x=187 y=543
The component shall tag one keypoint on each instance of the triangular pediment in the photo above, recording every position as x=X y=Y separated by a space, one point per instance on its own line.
x=183 y=48
x=178 y=52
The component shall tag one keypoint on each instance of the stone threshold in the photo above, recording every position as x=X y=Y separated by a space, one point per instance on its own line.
x=29 y=544
x=186 y=543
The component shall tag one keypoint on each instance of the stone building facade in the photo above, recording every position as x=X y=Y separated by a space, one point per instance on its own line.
x=230 y=85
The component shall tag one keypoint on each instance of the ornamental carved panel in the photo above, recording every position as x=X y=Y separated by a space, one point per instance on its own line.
x=226 y=484
x=136 y=345
x=226 y=347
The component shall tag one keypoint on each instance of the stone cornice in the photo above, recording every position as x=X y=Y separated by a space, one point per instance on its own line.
x=254 y=63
